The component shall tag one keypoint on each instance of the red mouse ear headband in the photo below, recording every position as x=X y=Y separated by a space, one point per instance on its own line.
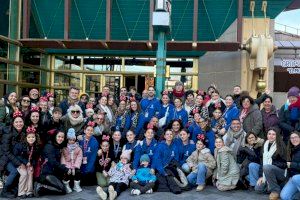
x=44 y=99
x=91 y=123
x=49 y=94
x=200 y=92
x=89 y=105
x=17 y=114
x=166 y=92
x=201 y=137
x=123 y=98
x=30 y=129
x=132 y=99
x=34 y=109
x=105 y=138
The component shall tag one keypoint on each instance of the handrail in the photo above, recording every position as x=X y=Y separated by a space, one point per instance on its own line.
x=286 y=29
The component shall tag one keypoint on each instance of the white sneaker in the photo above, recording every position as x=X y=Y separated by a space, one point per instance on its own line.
x=67 y=186
x=149 y=191
x=136 y=192
x=112 y=193
x=101 y=193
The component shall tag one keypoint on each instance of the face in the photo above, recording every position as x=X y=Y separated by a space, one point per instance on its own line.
x=217 y=114
x=236 y=90
x=199 y=145
x=197 y=117
x=133 y=92
x=89 y=131
x=179 y=88
x=236 y=125
x=151 y=92
x=73 y=94
x=295 y=139
x=165 y=99
x=111 y=101
x=84 y=98
x=71 y=140
x=203 y=123
x=210 y=91
x=124 y=160
x=30 y=138
x=100 y=119
x=25 y=102
x=215 y=96
x=154 y=121
x=271 y=136
x=133 y=106
x=145 y=94
x=89 y=113
x=34 y=94
x=57 y=116
x=51 y=102
x=149 y=134
x=228 y=101
x=175 y=126
x=92 y=100
x=12 y=98
x=190 y=98
x=34 y=117
x=117 y=136
x=168 y=135
x=105 y=90
x=145 y=163
x=199 y=100
x=130 y=136
x=123 y=91
x=43 y=105
x=75 y=113
x=219 y=143
x=246 y=103
x=103 y=101
x=18 y=123
x=251 y=139
x=267 y=103
x=184 y=136
x=105 y=146
x=60 y=137
x=293 y=99
x=122 y=105
x=177 y=103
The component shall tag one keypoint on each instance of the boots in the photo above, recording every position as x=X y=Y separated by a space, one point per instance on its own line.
x=183 y=178
x=67 y=186
x=77 y=187
x=274 y=196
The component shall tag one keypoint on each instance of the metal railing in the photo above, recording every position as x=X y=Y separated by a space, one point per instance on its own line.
x=287 y=29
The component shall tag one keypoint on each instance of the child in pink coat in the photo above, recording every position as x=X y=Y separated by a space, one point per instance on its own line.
x=72 y=159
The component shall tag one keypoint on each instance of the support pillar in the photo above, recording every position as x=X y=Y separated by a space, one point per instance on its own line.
x=44 y=76
x=160 y=64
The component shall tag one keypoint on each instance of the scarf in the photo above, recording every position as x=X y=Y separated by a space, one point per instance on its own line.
x=135 y=119
x=237 y=139
x=108 y=113
x=178 y=94
x=267 y=155
x=295 y=105
x=75 y=121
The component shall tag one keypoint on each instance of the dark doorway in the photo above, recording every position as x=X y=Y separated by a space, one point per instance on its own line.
x=129 y=81
x=141 y=84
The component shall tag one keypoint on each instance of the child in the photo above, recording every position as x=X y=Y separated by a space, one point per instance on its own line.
x=116 y=146
x=104 y=161
x=27 y=151
x=89 y=112
x=119 y=176
x=131 y=143
x=218 y=123
x=143 y=181
x=72 y=158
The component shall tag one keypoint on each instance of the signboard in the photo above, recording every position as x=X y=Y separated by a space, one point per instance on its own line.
x=292 y=66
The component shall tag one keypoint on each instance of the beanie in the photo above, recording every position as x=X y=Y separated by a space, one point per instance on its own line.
x=71 y=133
x=126 y=154
x=144 y=158
x=293 y=91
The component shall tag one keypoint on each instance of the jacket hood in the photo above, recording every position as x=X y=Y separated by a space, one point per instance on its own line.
x=226 y=149
x=205 y=150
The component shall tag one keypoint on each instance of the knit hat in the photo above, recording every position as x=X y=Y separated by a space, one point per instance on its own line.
x=144 y=158
x=126 y=154
x=71 y=133
x=293 y=91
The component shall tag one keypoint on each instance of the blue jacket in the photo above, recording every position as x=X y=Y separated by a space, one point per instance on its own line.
x=162 y=112
x=150 y=108
x=140 y=123
x=194 y=130
x=119 y=126
x=163 y=156
x=185 y=150
x=90 y=153
x=229 y=114
x=143 y=176
x=143 y=148
x=182 y=115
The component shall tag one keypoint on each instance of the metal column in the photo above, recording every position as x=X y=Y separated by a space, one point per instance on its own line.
x=160 y=63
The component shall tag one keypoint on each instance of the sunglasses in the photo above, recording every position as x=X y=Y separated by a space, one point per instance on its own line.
x=25 y=100
x=75 y=111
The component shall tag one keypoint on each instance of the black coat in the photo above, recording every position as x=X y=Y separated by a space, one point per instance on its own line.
x=252 y=155
x=22 y=152
x=295 y=162
x=285 y=122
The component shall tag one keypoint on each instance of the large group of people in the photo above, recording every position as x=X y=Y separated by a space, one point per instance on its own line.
x=180 y=141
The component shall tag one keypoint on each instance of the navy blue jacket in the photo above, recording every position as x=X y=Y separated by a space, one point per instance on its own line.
x=185 y=150
x=65 y=106
x=229 y=114
x=150 y=108
x=142 y=149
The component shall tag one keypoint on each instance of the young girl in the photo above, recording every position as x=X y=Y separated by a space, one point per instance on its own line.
x=121 y=116
x=180 y=113
x=218 y=123
x=104 y=161
x=131 y=142
x=119 y=176
x=227 y=173
x=202 y=164
x=116 y=146
x=27 y=151
x=72 y=158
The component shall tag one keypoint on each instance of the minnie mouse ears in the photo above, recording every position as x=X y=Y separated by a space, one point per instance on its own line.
x=17 y=114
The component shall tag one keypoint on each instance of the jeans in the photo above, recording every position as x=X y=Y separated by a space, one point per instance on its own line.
x=199 y=177
x=253 y=173
x=186 y=169
x=13 y=172
x=291 y=188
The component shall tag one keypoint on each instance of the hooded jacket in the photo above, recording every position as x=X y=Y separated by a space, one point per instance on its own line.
x=143 y=148
x=269 y=119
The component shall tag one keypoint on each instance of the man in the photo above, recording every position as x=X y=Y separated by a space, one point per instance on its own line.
x=237 y=95
x=84 y=98
x=105 y=90
x=133 y=93
x=73 y=99
x=150 y=105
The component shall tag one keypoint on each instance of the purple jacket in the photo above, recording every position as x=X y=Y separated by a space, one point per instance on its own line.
x=269 y=119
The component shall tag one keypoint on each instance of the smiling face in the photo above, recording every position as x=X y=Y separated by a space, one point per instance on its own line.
x=293 y=99
x=251 y=139
x=12 y=98
x=199 y=100
x=271 y=136
x=105 y=146
x=130 y=136
x=215 y=96
x=178 y=103
x=165 y=99
x=168 y=136
x=18 y=123
x=51 y=102
x=34 y=94
x=73 y=94
x=111 y=101
x=219 y=143
x=190 y=98
x=122 y=105
x=236 y=90
x=176 y=126
x=116 y=136
x=217 y=114
x=246 y=103
x=57 y=116
x=200 y=145
x=60 y=137
x=184 y=136
x=133 y=106
x=154 y=121
x=103 y=101
x=34 y=117
x=151 y=92
x=228 y=101
x=267 y=103
x=149 y=134
x=31 y=138
x=203 y=123
x=235 y=125
x=75 y=113
x=25 y=102
x=43 y=105
x=295 y=139
x=89 y=131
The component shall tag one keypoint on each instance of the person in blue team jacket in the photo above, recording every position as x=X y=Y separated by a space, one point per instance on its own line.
x=150 y=105
x=166 y=110
x=231 y=112
x=180 y=112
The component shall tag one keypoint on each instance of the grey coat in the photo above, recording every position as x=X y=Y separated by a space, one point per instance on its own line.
x=253 y=120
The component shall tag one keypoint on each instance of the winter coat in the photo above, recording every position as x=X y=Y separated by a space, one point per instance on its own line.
x=101 y=159
x=185 y=150
x=6 y=112
x=64 y=105
x=181 y=115
x=227 y=171
x=286 y=123
x=295 y=162
x=141 y=149
x=269 y=119
x=138 y=126
x=120 y=175
x=116 y=150
x=204 y=156
x=22 y=152
x=72 y=159
x=247 y=154
x=66 y=124
x=229 y=114
x=90 y=153
x=150 y=108
x=144 y=176
x=253 y=120
x=162 y=112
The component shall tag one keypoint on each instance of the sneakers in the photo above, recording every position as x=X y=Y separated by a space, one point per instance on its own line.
x=200 y=188
x=135 y=192
x=77 y=187
x=101 y=193
x=149 y=191
x=274 y=196
x=112 y=193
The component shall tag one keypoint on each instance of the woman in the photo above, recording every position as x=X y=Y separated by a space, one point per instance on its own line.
x=250 y=116
x=291 y=189
x=179 y=112
x=112 y=104
x=189 y=100
x=227 y=173
x=269 y=114
x=198 y=107
x=178 y=91
x=274 y=164
x=101 y=127
x=175 y=126
x=134 y=118
x=10 y=136
x=166 y=111
x=52 y=172
x=73 y=119
x=215 y=102
x=231 y=112
x=89 y=146
x=25 y=105
x=248 y=157
x=8 y=105
x=120 y=116
x=103 y=108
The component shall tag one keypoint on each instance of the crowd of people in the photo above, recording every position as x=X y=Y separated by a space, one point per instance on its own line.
x=184 y=140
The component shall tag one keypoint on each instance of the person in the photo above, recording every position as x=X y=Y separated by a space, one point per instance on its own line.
x=231 y=112
x=131 y=142
x=291 y=189
x=72 y=100
x=166 y=110
x=24 y=105
x=8 y=105
x=144 y=180
x=102 y=127
x=227 y=172
x=149 y=105
x=89 y=113
x=178 y=91
x=89 y=146
x=11 y=136
x=111 y=103
x=116 y=146
x=215 y=102
x=176 y=126
x=235 y=136
x=133 y=93
x=55 y=121
x=121 y=116
x=71 y=157
x=134 y=118
x=45 y=115
x=27 y=151
x=202 y=163
x=237 y=95
x=250 y=116
x=104 y=161
x=218 y=123
x=34 y=96
x=179 y=112
x=84 y=98
x=189 y=101
x=52 y=171
x=51 y=102
x=273 y=166
x=73 y=119
x=103 y=108
x=119 y=176
x=198 y=107
x=249 y=159
x=269 y=114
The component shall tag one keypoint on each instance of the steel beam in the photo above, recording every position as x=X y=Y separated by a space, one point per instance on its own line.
x=67 y=10
x=26 y=18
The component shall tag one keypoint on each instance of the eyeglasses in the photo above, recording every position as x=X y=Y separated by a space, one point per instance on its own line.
x=26 y=100
x=293 y=138
x=75 y=111
x=35 y=94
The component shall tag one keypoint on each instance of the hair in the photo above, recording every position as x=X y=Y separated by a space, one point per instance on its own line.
x=151 y=86
x=37 y=142
x=138 y=106
x=73 y=88
x=132 y=88
x=21 y=98
x=130 y=130
x=248 y=134
x=247 y=97
x=178 y=99
x=268 y=97
x=216 y=91
x=237 y=86
x=53 y=137
x=228 y=95
x=281 y=148
x=290 y=146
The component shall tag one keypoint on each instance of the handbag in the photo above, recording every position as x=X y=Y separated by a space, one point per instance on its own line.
x=162 y=121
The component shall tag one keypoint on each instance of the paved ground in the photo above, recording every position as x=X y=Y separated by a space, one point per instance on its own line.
x=210 y=193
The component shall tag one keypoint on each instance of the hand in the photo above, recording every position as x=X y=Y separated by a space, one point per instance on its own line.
x=105 y=173
x=113 y=164
x=100 y=152
x=28 y=164
x=152 y=171
x=222 y=131
x=79 y=137
x=69 y=172
x=288 y=164
x=133 y=171
x=260 y=181
x=135 y=181
x=267 y=91
x=22 y=166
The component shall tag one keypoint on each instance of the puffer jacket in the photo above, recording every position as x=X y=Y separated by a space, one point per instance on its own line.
x=269 y=119
x=72 y=158
x=144 y=176
x=204 y=156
